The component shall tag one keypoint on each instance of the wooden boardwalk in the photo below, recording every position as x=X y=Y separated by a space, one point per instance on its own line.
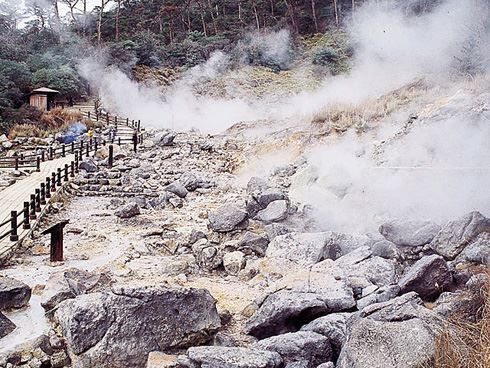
x=13 y=197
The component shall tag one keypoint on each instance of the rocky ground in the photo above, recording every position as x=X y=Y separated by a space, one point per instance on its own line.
x=187 y=254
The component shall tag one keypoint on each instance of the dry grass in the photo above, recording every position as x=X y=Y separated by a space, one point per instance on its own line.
x=341 y=116
x=52 y=122
x=465 y=344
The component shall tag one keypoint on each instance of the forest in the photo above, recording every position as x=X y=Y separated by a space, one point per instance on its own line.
x=41 y=41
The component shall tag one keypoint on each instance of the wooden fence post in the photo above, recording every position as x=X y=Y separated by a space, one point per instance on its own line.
x=58 y=177
x=26 y=225
x=38 y=164
x=33 y=215
x=43 y=194
x=111 y=155
x=13 y=226
x=53 y=182
x=48 y=187
x=38 y=200
x=66 y=173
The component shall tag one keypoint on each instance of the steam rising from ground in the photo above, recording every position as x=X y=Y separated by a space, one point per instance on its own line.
x=444 y=160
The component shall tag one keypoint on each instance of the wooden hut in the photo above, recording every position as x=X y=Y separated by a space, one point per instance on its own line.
x=43 y=98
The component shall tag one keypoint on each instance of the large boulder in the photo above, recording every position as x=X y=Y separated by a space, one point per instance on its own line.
x=399 y=333
x=409 y=233
x=298 y=301
x=67 y=285
x=376 y=344
x=428 y=277
x=478 y=251
x=303 y=348
x=120 y=328
x=6 y=326
x=227 y=218
x=13 y=293
x=301 y=248
x=274 y=212
x=456 y=235
x=230 y=357
x=332 y=326
x=129 y=210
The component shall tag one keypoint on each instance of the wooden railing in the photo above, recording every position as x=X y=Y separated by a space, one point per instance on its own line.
x=43 y=153
x=23 y=217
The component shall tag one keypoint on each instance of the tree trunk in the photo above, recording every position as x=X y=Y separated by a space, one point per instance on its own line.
x=291 y=13
x=336 y=12
x=256 y=17
x=313 y=11
x=118 y=12
x=240 y=12
x=211 y=10
x=204 y=25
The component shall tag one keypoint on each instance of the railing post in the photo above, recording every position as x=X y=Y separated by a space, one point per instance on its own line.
x=42 y=155
x=38 y=164
x=111 y=155
x=48 y=187
x=38 y=200
x=63 y=150
x=127 y=121
x=13 y=226
x=72 y=169
x=73 y=147
x=66 y=173
x=88 y=114
x=119 y=141
x=26 y=225
x=16 y=162
x=50 y=153
x=32 y=214
x=76 y=161
x=43 y=194
x=53 y=182
x=58 y=177
x=107 y=118
x=139 y=125
x=115 y=119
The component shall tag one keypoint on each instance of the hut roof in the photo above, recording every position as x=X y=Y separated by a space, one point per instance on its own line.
x=45 y=90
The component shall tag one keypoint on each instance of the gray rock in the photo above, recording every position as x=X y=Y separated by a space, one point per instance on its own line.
x=67 y=285
x=409 y=233
x=127 y=211
x=88 y=165
x=13 y=293
x=376 y=344
x=332 y=326
x=383 y=294
x=3 y=138
x=386 y=249
x=302 y=248
x=6 y=326
x=478 y=251
x=280 y=313
x=327 y=365
x=166 y=139
x=275 y=211
x=231 y=357
x=287 y=310
x=428 y=277
x=234 y=262
x=227 y=218
x=177 y=188
x=207 y=256
x=307 y=348
x=253 y=243
x=456 y=235
x=267 y=196
x=122 y=327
